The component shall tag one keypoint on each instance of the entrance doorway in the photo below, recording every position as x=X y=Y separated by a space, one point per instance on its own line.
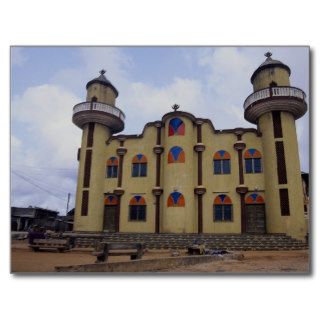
x=110 y=214
x=255 y=216
x=110 y=222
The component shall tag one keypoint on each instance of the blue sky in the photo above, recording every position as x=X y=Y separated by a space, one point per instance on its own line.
x=210 y=82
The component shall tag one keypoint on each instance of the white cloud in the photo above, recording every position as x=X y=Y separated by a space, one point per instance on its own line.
x=44 y=114
x=43 y=137
x=151 y=102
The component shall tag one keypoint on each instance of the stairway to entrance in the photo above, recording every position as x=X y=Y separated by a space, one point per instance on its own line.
x=236 y=242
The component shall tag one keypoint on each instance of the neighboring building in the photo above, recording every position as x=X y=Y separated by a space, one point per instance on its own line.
x=24 y=218
x=65 y=223
x=181 y=175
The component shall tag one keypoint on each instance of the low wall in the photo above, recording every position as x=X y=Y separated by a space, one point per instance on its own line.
x=148 y=264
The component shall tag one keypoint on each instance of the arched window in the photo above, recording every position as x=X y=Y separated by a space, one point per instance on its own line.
x=221 y=162
x=176 y=199
x=176 y=127
x=110 y=200
x=176 y=155
x=137 y=209
x=94 y=99
x=112 y=167
x=139 y=166
x=222 y=208
x=254 y=198
x=252 y=159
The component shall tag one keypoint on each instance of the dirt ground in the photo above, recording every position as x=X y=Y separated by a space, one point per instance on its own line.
x=25 y=260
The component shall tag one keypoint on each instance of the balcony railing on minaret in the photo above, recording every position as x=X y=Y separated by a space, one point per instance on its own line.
x=274 y=92
x=98 y=106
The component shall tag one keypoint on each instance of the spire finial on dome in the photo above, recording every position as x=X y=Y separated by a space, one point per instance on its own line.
x=175 y=107
x=102 y=71
x=268 y=54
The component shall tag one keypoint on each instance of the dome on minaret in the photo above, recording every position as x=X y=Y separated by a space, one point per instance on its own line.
x=270 y=63
x=103 y=81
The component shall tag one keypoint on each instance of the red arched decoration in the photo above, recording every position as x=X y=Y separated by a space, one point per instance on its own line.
x=111 y=200
x=252 y=153
x=139 y=158
x=222 y=199
x=137 y=201
x=254 y=198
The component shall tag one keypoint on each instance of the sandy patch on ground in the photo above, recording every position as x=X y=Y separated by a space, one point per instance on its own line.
x=25 y=260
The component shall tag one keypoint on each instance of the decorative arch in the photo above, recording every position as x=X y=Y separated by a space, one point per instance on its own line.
x=222 y=199
x=176 y=199
x=176 y=127
x=139 y=158
x=176 y=155
x=222 y=155
x=254 y=198
x=137 y=201
x=112 y=161
x=110 y=200
x=252 y=153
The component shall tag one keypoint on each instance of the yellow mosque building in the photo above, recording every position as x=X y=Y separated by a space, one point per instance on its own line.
x=181 y=175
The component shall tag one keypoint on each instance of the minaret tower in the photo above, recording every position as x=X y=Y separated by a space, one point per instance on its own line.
x=98 y=118
x=274 y=106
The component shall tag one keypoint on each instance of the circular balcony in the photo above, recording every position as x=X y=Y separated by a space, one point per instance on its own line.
x=110 y=116
x=289 y=99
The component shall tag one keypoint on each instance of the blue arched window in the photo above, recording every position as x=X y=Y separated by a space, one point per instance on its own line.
x=252 y=158
x=137 y=209
x=221 y=162
x=112 y=167
x=222 y=208
x=139 y=166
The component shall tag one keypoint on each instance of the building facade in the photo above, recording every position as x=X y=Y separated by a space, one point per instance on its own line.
x=22 y=219
x=181 y=175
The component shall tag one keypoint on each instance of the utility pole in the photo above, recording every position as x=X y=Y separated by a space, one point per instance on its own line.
x=68 y=203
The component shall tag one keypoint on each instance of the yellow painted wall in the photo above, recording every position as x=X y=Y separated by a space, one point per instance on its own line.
x=293 y=224
x=220 y=183
x=266 y=76
x=93 y=221
x=139 y=185
x=111 y=151
x=179 y=177
x=225 y=183
x=102 y=93
x=253 y=180
x=77 y=216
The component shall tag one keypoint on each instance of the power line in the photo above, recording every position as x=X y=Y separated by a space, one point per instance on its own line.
x=34 y=184
x=45 y=168
x=45 y=184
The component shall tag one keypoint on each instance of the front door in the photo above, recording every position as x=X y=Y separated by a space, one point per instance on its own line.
x=110 y=213
x=255 y=218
